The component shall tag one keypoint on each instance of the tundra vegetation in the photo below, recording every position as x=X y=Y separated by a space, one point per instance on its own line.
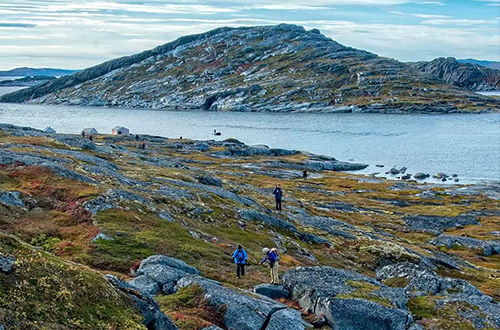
x=390 y=254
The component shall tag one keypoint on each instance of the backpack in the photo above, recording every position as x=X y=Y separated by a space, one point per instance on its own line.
x=240 y=256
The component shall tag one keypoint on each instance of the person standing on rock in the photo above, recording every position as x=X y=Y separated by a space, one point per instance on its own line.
x=278 y=195
x=271 y=256
x=304 y=174
x=240 y=259
x=143 y=146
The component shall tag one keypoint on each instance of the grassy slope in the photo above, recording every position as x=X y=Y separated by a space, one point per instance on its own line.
x=45 y=292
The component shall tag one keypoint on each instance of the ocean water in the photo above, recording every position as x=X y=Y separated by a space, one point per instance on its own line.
x=495 y=93
x=6 y=90
x=464 y=144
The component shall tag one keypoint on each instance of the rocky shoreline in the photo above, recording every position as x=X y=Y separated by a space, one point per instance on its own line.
x=162 y=222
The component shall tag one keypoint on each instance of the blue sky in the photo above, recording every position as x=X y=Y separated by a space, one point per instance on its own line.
x=78 y=34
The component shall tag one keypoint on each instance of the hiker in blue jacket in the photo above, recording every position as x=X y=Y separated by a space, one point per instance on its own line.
x=272 y=257
x=278 y=195
x=240 y=259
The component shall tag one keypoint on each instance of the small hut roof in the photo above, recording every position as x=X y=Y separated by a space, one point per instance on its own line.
x=90 y=130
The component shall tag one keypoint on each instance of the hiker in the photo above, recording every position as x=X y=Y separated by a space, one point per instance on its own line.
x=278 y=195
x=143 y=146
x=91 y=138
x=83 y=134
x=304 y=174
x=137 y=137
x=272 y=257
x=240 y=259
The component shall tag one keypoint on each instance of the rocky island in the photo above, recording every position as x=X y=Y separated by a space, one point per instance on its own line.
x=103 y=234
x=281 y=68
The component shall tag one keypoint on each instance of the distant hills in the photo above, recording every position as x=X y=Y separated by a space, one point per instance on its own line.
x=489 y=64
x=26 y=81
x=471 y=76
x=24 y=72
x=282 y=68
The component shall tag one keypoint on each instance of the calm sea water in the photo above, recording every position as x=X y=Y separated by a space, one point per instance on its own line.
x=496 y=93
x=467 y=145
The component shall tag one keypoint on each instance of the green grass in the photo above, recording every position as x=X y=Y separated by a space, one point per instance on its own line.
x=365 y=290
x=422 y=307
x=189 y=309
x=44 y=292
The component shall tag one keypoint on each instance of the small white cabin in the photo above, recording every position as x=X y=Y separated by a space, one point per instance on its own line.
x=90 y=131
x=120 y=130
x=49 y=129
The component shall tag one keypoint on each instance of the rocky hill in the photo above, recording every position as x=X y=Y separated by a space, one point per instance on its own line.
x=470 y=76
x=105 y=235
x=26 y=81
x=488 y=64
x=279 y=68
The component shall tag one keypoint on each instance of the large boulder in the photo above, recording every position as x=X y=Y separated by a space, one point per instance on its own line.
x=212 y=327
x=243 y=311
x=348 y=300
x=12 y=198
x=421 y=176
x=418 y=279
x=272 y=291
x=146 y=284
x=358 y=314
x=169 y=261
x=421 y=281
x=7 y=263
x=154 y=318
x=161 y=274
x=289 y=319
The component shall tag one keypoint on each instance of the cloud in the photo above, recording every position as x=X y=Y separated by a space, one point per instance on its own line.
x=437 y=3
x=418 y=15
x=16 y=25
x=81 y=33
x=166 y=8
x=286 y=7
x=329 y=3
x=458 y=21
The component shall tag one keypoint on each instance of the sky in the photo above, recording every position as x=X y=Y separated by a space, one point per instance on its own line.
x=78 y=34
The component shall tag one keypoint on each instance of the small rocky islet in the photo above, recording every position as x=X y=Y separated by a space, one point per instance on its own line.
x=103 y=234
